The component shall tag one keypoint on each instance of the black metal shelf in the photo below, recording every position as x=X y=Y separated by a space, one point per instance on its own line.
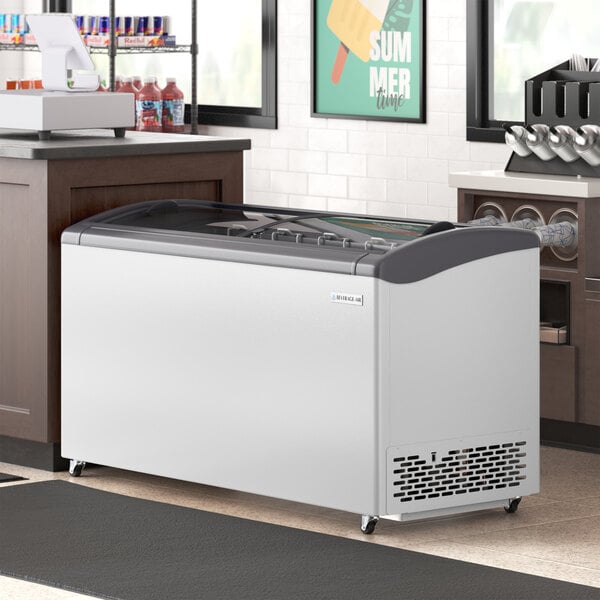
x=180 y=48
x=19 y=47
x=113 y=51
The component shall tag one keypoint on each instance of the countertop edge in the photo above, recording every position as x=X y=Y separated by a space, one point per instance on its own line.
x=551 y=185
x=109 y=148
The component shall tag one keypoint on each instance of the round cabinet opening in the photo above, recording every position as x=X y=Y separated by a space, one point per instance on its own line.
x=528 y=216
x=491 y=209
x=566 y=223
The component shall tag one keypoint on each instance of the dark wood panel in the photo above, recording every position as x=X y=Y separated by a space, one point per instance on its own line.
x=590 y=410
x=23 y=307
x=558 y=382
x=137 y=170
x=86 y=202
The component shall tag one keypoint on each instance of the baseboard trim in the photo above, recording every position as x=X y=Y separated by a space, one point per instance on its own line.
x=574 y=436
x=32 y=454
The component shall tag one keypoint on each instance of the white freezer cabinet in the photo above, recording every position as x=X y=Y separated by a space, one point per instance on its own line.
x=383 y=367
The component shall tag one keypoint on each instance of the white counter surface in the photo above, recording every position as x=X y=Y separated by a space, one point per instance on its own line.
x=527 y=183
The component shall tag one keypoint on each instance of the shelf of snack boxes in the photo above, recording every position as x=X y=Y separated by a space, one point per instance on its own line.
x=135 y=44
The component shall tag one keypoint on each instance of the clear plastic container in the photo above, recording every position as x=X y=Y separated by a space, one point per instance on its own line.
x=148 y=107
x=587 y=144
x=516 y=137
x=561 y=140
x=127 y=87
x=172 y=107
x=537 y=140
x=137 y=82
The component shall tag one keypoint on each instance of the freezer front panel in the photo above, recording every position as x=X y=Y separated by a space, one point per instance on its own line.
x=247 y=377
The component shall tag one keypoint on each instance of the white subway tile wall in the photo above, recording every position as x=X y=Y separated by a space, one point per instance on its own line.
x=383 y=168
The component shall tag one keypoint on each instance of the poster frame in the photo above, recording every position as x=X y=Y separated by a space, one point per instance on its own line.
x=421 y=118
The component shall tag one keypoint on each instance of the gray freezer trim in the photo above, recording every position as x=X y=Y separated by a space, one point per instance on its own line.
x=256 y=252
x=432 y=254
x=96 y=143
x=414 y=261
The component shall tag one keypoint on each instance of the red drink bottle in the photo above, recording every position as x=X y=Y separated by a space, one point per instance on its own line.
x=172 y=107
x=148 y=107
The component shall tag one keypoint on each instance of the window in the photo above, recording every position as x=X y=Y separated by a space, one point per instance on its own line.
x=509 y=41
x=236 y=62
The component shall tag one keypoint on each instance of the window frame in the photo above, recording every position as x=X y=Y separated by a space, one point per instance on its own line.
x=480 y=128
x=264 y=117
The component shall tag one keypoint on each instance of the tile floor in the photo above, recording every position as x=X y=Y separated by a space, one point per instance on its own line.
x=555 y=534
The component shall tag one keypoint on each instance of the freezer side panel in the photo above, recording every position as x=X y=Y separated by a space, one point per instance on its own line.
x=464 y=385
x=234 y=375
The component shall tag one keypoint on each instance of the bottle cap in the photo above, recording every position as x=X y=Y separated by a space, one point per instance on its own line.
x=171 y=80
x=149 y=79
x=126 y=80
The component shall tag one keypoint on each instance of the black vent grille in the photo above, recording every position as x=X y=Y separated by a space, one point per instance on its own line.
x=478 y=469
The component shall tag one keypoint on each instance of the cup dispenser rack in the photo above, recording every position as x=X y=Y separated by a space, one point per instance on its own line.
x=562 y=117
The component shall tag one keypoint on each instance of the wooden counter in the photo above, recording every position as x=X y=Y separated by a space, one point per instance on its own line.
x=44 y=187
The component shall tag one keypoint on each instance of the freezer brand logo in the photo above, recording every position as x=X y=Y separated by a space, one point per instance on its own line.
x=355 y=299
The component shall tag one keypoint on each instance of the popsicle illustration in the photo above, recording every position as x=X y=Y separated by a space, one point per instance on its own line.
x=352 y=22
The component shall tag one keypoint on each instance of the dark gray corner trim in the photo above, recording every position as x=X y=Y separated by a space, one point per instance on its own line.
x=435 y=253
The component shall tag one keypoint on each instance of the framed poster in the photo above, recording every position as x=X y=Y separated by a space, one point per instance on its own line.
x=368 y=59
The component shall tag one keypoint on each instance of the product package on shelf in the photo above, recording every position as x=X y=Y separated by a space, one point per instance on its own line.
x=173 y=107
x=13 y=28
x=146 y=41
x=148 y=107
x=131 y=32
x=11 y=38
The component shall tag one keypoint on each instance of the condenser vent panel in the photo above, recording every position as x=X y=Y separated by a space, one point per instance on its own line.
x=433 y=475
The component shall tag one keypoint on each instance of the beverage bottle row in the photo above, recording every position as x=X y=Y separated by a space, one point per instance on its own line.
x=155 y=109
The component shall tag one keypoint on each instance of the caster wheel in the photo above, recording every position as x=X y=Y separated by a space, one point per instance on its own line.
x=513 y=505
x=368 y=523
x=76 y=467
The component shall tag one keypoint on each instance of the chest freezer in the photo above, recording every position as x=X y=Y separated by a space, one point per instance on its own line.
x=379 y=366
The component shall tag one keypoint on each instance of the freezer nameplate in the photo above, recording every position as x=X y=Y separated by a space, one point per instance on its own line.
x=355 y=299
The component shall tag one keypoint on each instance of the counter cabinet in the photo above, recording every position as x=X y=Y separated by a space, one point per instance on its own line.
x=570 y=372
x=39 y=198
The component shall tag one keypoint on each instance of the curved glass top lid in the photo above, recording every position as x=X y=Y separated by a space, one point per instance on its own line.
x=245 y=221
